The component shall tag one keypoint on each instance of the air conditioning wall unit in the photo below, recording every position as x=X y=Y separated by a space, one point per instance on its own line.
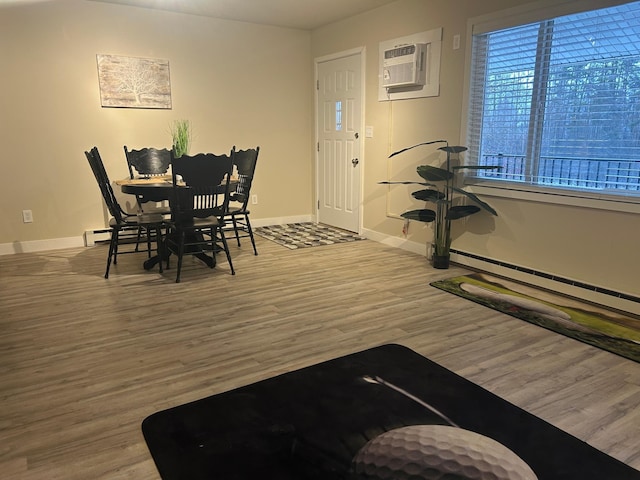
x=404 y=66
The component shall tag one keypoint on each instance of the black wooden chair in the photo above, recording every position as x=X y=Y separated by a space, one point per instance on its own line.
x=200 y=196
x=148 y=162
x=124 y=226
x=238 y=211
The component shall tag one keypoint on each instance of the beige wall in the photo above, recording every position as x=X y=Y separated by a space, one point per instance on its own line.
x=596 y=247
x=238 y=83
x=246 y=84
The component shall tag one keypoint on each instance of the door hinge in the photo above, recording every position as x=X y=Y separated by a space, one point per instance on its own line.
x=318 y=146
x=317 y=84
x=318 y=204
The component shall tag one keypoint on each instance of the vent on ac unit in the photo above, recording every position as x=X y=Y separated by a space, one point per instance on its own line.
x=404 y=66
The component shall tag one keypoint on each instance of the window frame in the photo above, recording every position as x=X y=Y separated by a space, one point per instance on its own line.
x=513 y=17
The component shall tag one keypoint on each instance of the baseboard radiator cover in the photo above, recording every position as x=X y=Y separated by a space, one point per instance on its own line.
x=596 y=294
x=91 y=237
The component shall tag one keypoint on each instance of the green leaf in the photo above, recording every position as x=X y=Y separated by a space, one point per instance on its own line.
x=434 y=174
x=461 y=211
x=408 y=183
x=474 y=198
x=414 y=146
x=428 y=195
x=423 y=215
x=181 y=135
x=476 y=167
x=453 y=149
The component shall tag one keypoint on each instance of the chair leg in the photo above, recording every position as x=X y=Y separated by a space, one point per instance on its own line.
x=165 y=246
x=148 y=242
x=214 y=246
x=180 y=254
x=159 y=246
x=112 y=249
x=140 y=230
x=138 y=238
x=250 y=230
x=226 y=249
x=235 y=228
x=115 y=247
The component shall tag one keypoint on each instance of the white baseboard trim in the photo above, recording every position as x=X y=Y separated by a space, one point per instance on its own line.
x=90 y=237
x=263 y=222
x=31 y=246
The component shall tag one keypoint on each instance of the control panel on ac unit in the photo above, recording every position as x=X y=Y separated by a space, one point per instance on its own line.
x=404 y=65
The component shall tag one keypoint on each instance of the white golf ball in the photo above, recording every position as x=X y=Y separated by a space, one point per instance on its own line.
x=437 y=452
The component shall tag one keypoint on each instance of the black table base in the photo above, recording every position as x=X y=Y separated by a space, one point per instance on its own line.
x=150 y=263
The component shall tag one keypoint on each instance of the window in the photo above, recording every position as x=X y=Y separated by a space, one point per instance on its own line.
x=556 y=103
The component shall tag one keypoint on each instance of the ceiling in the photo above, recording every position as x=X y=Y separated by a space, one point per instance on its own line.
x=301 y=14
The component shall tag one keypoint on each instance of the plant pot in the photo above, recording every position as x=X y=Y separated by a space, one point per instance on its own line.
x=440 y=261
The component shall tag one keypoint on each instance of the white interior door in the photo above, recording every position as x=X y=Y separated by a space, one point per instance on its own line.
x=339 y=118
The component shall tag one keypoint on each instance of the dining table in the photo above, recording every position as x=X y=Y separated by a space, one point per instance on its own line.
x=155 y=188
x=158 y=188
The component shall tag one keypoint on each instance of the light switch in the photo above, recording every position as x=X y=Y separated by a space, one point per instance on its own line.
x=368 y=132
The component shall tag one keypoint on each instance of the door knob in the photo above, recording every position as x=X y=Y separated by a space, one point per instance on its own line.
x=355 y=161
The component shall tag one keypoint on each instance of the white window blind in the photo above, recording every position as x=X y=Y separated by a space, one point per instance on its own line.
x=556 y=103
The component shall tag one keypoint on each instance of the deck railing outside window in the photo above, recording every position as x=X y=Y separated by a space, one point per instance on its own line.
x=591 y=173
x=557 y=102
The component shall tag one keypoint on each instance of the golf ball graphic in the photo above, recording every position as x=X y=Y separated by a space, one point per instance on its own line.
x=437 y=452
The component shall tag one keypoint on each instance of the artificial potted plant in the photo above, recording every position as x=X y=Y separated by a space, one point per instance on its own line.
x=443 y=194
x=181 y=136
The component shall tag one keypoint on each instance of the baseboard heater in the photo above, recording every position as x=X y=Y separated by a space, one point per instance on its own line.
x=91 y=237
x=547 y=276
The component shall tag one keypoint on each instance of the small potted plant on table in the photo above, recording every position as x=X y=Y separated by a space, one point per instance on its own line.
x=181 y=136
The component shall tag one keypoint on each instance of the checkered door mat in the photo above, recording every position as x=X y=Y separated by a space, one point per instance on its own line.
x=302 y=235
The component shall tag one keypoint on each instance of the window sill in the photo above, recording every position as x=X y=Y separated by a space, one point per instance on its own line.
x=581 y=198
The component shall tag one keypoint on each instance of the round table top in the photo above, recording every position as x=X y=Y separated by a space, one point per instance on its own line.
x=155 y=189
x=156 y=192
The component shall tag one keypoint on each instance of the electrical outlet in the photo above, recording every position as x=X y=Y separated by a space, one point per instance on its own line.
x=27 y=216
x=254 y=199
x=456 y=42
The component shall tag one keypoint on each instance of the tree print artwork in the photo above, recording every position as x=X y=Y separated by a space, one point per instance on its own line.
x=134 y=82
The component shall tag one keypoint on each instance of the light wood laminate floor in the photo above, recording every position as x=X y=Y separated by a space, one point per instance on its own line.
x=84 y=360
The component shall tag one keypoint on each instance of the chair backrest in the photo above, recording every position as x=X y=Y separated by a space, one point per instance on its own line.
x=245 y=161
x=95 y=161
x=200 y=185
x=148 y=161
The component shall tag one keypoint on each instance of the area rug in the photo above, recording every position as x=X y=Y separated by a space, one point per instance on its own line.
x=310 y=423
x=609 y=330
x=308 y=234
